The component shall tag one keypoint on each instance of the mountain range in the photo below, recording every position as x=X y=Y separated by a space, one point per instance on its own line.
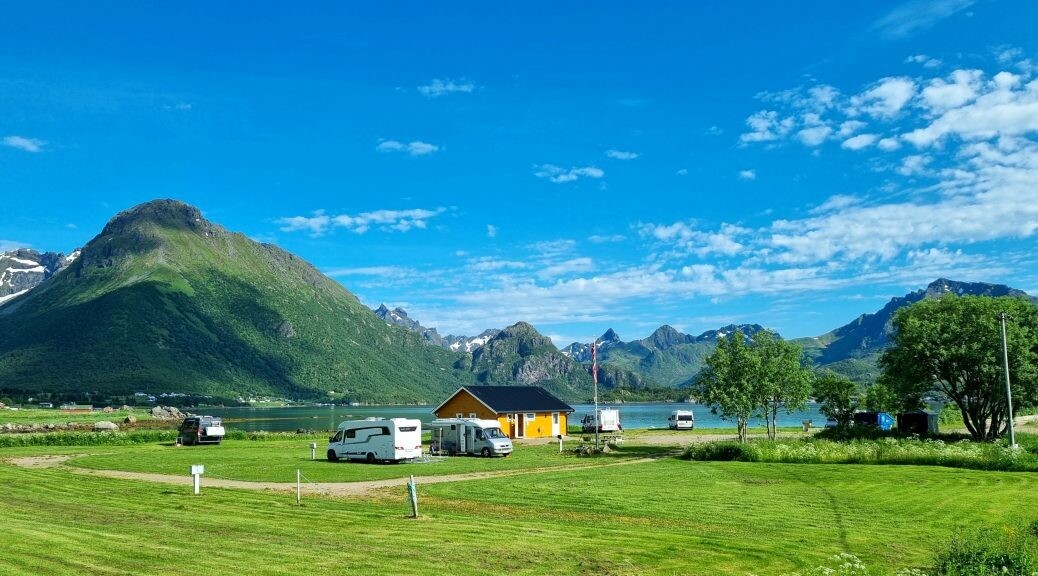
x=22 y=270
x=162 y=300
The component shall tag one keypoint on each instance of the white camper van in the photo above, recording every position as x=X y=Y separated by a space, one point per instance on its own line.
x=377 y=440
x=469 y=436
x=608 y=421
x=681 y=420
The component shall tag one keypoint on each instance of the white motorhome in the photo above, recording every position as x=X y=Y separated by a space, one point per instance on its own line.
x=376 y=440
x=681 y=420
x=469 y=436
x=608 y=421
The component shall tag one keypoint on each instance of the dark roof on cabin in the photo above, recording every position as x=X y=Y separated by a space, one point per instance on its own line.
x=503 y=399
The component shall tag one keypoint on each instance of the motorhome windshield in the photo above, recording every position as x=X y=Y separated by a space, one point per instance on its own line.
x=493 y=433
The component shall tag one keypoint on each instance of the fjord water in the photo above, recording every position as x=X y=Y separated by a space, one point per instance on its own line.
x=650 y=415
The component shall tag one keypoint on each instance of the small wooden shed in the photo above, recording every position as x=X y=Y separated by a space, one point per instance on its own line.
x=523 y=411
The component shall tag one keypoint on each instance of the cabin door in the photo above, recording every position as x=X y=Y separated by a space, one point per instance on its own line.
x=520 y=425
x=554 y=423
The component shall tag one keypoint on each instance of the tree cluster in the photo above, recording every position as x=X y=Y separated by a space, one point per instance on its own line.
x=759 y=377
x=952 y=347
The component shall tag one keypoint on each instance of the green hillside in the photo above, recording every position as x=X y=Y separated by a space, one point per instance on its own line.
x=165 y=301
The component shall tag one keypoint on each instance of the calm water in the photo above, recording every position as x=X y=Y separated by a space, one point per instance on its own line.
x=328 y=417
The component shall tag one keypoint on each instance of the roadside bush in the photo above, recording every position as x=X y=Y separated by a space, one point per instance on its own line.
x=907 y=451
x=1006 y=551
x=87 y=438
x=727 y=451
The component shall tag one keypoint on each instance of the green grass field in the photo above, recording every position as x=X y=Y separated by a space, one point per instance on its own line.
x=664 y=516
x=55 y=416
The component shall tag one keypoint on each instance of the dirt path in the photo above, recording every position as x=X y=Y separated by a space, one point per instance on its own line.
x=325 y=488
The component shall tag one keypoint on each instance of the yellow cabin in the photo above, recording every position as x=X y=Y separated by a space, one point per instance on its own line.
x=523 y=411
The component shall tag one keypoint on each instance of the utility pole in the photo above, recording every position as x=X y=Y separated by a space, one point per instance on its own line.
x=1002 y=317
x=594 y=376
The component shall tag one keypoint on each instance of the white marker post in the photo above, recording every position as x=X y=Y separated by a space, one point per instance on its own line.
x=299 y=495
x=560 y=443
x=313 y=450
x=196 y=471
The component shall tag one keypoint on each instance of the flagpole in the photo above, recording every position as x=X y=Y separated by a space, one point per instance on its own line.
x=594 y=376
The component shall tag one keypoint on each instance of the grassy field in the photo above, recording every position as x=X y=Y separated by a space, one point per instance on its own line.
x=55 y=416
x=648 y=517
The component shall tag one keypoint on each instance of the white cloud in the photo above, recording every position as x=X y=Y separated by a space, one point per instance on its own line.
x=814 y=135
x=924 y=60
x=849 y=127
x=606 y=238
x=621 y=155
x=559 y=175
x=316 y=224
x=917 y=15
x=690 y=240
x=888 y=144
x=491 y=231
x=385 y=220
x=682 y=172
x=415 y=148
x=860 y=141
x=12 y=245
x=940 y=95
x=23 y=143
x=438 y=87
x=914 y=165
x=380 y=271
x=566 y=268
x=766 y=126
x=885 y=99
x=747 y=174
x=489 y=264
x=836 y=203
x=1002 y=108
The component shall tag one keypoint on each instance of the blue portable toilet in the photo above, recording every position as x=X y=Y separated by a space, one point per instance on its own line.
x=880 y=420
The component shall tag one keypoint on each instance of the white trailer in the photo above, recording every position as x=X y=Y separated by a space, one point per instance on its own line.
x=469 y=436
x=681 y=420
x=608 y=421
x=376 y=440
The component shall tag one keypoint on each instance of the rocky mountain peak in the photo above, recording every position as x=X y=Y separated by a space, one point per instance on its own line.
x=666 y=337
x=610 y=336
x=165 y=213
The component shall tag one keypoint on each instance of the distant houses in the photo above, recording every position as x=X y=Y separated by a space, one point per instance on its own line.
x=523 y=411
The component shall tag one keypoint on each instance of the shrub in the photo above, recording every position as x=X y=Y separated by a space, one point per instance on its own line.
x=1006 y=551
x=910 y=451
x=721 y=452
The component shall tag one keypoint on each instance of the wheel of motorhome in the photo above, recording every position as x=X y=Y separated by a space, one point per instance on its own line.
x=371 y=458
x=332 y=456
x=485 y=452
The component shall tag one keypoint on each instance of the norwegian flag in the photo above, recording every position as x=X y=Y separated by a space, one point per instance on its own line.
x=594 y=362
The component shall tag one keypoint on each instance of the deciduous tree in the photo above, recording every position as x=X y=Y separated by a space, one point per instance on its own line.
x=727 y=382
x=838 y=397
x=952 y=345
x=782 y=379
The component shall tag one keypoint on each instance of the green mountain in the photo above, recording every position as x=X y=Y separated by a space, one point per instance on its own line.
x=519 y=355
x=854 y=348
x=665 y=358
x=165 y=301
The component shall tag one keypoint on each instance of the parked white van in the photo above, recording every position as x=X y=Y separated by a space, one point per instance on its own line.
x=469 y=436
x=608 y=421
x=681 y=420
x=377 y=440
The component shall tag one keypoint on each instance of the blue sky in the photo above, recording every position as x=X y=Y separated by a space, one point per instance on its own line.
x=578 y=167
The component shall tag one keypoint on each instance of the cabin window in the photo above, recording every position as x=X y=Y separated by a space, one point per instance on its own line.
x=479 y=434
x=554 y=417
x=459 y=415
x=531 y=416
x=351 y=433
x=473 y=415
x=385 y=431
